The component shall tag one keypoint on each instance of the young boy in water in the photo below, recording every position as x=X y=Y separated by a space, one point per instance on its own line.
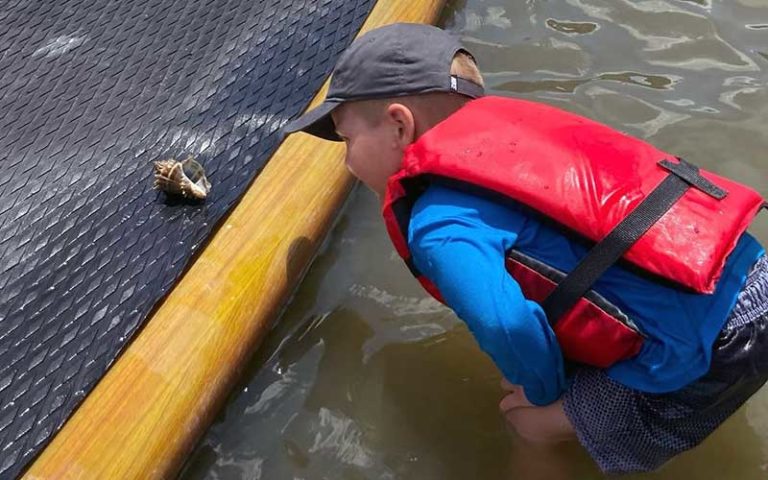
x=406 y=101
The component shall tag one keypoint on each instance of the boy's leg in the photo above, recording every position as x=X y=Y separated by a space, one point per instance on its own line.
x=537 y=452
x=626 y=431
x=530 y=461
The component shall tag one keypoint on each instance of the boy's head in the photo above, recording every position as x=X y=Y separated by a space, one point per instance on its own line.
x=390 y=86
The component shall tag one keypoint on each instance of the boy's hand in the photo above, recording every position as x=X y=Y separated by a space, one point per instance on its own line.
x=514 y=397
x=542 y=425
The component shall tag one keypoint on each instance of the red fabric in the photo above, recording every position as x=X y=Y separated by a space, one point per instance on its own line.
x=587 y=333
x=395 y=191
x=587 y=177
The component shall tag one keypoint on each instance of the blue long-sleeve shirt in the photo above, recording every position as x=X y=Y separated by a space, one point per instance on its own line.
x=459 y=242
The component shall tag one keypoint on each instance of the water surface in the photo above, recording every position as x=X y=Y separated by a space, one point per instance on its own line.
x=365 y=377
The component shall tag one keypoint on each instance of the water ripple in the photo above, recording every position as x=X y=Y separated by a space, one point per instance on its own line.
x=656 y=82
x=397 y=304
x=580 y=28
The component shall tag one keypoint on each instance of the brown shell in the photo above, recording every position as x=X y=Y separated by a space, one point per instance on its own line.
x=186 y=179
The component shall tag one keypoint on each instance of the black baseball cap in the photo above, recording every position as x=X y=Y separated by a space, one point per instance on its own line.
x=391 y=61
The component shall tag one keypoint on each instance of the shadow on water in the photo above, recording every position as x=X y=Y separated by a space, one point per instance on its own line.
x=364 y=377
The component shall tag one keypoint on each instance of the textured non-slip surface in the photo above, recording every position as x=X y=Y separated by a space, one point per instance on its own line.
x=91 y=93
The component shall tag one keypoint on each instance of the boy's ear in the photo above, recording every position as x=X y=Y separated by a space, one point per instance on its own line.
x=404 y=122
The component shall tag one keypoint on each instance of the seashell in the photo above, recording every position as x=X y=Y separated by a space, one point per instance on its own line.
x=186 y=178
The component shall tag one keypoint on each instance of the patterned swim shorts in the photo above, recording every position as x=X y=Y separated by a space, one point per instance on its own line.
x=625 y=430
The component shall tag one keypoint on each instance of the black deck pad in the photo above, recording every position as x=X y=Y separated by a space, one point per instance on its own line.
x=91 y=93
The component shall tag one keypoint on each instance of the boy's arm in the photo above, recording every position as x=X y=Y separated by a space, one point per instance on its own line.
x=459 y=241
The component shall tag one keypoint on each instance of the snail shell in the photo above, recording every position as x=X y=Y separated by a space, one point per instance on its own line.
x=186 y=178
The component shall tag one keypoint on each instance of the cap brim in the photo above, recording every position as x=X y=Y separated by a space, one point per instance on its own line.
x=317 y=122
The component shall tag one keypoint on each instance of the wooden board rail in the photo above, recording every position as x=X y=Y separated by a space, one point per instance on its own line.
x=147 y=413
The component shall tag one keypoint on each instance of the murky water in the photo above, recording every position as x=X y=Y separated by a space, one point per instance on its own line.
x=367 y=378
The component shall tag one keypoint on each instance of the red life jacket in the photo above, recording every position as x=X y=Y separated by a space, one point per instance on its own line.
x=587 y=178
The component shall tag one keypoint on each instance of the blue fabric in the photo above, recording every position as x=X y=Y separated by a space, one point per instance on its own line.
x=458 y=241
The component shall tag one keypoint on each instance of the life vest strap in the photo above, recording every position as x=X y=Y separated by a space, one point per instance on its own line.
x=605 y=253
x=690 y=173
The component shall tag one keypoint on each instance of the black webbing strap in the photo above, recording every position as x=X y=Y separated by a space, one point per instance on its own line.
x=605 y=253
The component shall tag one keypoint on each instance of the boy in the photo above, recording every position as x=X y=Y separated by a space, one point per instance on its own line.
x=659 y=333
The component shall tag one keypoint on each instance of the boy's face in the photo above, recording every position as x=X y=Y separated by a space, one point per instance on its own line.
x=375 y=141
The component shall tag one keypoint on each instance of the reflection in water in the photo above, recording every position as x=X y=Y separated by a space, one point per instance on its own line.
x=565 y=86
x=657 y=82
x=651 y=81
x=704 y=3
x=367 y=378
x=493 y=16
x=572 y=27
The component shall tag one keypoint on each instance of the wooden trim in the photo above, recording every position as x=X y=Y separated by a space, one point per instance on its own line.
x=150 y=409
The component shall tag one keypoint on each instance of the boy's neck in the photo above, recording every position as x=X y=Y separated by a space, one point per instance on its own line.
x=432 y=108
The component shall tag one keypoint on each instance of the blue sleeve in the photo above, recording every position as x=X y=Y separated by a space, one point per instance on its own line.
x=459 y=242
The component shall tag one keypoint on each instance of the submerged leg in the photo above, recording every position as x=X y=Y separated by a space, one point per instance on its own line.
x=537 y=451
